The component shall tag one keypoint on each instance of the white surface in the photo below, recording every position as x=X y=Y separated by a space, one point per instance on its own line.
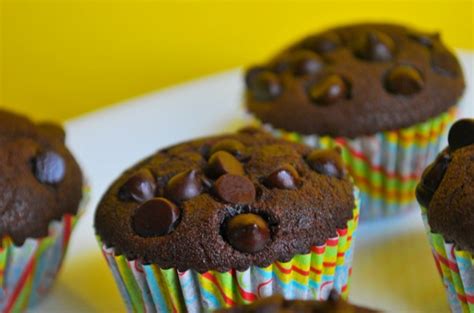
x=393 y=272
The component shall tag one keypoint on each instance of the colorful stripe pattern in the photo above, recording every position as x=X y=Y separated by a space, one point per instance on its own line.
x=149 y=288
x=386 y=166
x=456 y=268
x=27 y=273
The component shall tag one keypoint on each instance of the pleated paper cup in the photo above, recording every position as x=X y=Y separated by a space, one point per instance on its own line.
x=28 y=272
x=386 y=166
x=149 y=288
x=456 y=268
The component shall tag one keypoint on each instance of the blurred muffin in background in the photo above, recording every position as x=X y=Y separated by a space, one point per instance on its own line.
x=446 y=197
x=385 y=93
x=41 y=190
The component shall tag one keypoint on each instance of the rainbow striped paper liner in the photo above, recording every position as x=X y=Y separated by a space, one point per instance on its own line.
x=28 y=272
x=149 y=288
x=386 y=167
x=456 y=268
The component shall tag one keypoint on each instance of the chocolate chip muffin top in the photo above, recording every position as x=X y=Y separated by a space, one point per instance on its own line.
x=355 y=80
x=446 y=189
x=277 y=304
x=230 y=201
x=40 y=180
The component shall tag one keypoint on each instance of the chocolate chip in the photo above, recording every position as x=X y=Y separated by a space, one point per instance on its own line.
x=204 y=150
x=235 y=189
x=183 y=186
x=424 y=38
x=49 y=167
x=281 y=63
x=252 y=74
x=461 y=134
x=306 y=62
x=423 y=195
x=431 y=179
x=139 y=187
x=444 y=62
x=232 y=146
x=404 y=80
x=373 y=46
x=156 y=217
x=247 y=233
x=334 y=296
x=322 y=43
x=328 y=90
x=327 y=162
x=223 y=162
x=208 y=183
x=52 y=131
x=285 y=177
x=265 y=86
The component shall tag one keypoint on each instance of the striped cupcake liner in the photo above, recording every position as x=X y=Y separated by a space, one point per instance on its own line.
x=456 y=268
x=149 y=288
x=28 y=272
x=386 y=166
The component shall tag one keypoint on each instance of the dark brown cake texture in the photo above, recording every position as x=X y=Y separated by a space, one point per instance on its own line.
x=40 y=180
x=277 y=304
x=355 y=80
x=223 y=202
x=446 y=189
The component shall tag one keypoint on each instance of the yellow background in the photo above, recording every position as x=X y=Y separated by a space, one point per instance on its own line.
x=63 y=58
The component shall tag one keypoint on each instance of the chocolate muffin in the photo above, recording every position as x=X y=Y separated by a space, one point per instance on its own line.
x=446 y=189
x=41 y=189
x=224 y=204
x=377 y=76
x=383 y=92
x=277 y=304
x=40 y=179
x=446 y=194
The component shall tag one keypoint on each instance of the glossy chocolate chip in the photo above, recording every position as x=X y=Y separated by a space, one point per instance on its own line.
x=327 y=162
x=424 y=39
x=286 y=177
x=223 y=162
x=235 y=189
x=49 y=167
x=323 y=43
x=461 y=134
x=373 y=46
x=404 y=80
x=139 y=187
x=328 y=90
x=156 y=217
x=184 y=186
x=265 y=86
x=431 y=179
x=247 y=233
x=444 y=63
x=306 y=62
x=52 y=131
x=232 y=146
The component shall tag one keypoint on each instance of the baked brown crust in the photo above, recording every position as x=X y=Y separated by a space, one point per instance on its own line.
x=356 y=80
x=39 y=178
x=280 y=212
